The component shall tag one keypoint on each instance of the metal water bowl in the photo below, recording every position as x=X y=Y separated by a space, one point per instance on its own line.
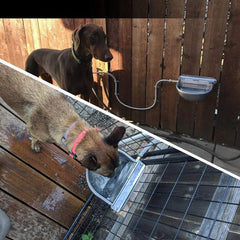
x=116 y=190
x=4 y=224
x=194 y=88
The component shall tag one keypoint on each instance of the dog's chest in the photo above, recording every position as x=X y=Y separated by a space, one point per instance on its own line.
x=77 y=79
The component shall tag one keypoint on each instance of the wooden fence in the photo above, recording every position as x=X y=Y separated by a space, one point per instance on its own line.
x=195 y=37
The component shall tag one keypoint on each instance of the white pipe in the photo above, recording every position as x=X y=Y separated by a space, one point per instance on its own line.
x=131 y=107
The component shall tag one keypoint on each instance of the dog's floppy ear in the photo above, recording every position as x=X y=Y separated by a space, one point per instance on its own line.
x=90 y=162
x=76 y=38
x=114 y=137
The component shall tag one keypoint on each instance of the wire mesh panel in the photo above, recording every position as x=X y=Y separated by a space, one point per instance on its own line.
x=177 y=196
x=186 y=200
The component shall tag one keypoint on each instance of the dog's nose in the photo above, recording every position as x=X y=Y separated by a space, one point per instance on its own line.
x=108 y=56
x=111 y=175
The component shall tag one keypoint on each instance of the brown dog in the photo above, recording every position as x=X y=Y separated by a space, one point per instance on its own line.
x=72 y=67
x=51 y=118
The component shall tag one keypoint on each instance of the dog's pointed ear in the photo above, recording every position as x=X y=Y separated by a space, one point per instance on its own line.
x=115 y=136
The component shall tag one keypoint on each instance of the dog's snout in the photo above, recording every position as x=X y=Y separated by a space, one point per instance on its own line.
x=111 y=175
x=108 y=56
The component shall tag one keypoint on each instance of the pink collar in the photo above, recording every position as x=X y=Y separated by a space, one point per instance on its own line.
x=72 y=153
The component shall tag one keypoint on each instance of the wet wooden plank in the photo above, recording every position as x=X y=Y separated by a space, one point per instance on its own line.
x=186 y=190
x=229 y=100
x=27 y=223
x=171 y=68
x=211 y=65
x=154 y=60
x=193 y=37
x=32 y=188
x=52 y=162
x=191 y=175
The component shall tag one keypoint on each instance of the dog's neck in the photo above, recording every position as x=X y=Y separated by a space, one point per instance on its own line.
x=71 y=132
x=77 y=141
x=81 y=57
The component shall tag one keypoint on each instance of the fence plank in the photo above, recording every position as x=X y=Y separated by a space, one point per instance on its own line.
x=237 y=143
x=69 y=23
x=55 y=30
x=100 y=81
x=32 y=34
x=42 y=22
x=78 y=22
x=193 y=37
x=125 y=47
x=154 y=59
x=113 y=32
x=229 y=100
x=139 y=48
x=211 y=65
x=119 y=35
x=16 y=41
x=171 y=68
x=3 y=43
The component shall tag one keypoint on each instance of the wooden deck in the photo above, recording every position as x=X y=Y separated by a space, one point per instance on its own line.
x=40 y=192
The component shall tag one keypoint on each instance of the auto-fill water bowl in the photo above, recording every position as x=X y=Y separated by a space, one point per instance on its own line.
x=194 y=88
x=116 y=190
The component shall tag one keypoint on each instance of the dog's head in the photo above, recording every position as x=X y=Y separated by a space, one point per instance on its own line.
x=100 y=154
x=92 y=40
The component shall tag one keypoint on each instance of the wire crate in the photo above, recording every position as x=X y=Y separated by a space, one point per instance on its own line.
x=178 y=197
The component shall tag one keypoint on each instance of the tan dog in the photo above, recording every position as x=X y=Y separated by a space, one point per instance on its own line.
x=51 y=118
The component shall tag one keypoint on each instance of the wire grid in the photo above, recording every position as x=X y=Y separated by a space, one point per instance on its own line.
x=173 y=200
x=171 y=207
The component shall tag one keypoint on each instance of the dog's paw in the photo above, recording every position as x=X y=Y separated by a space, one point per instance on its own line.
x=36 y=147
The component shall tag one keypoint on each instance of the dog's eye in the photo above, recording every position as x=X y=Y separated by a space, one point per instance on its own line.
x=93 y=158
x=90 y=161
